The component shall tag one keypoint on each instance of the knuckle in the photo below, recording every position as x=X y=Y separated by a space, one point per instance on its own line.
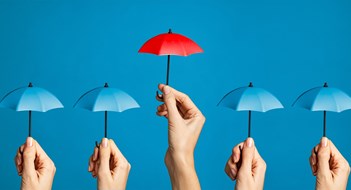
x=125 y=165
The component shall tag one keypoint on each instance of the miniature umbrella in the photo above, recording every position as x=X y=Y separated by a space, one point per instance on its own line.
x=106 y=99
x=30 y=99
x=250 y=98
x=170 y=44
x=324 y=99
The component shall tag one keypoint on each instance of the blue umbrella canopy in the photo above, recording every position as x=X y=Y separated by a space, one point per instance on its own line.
x=250 y=98
x=30 y=99
x=324 y=98
x=106 y=99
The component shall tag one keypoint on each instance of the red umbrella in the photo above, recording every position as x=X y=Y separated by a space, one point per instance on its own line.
x=170 y=44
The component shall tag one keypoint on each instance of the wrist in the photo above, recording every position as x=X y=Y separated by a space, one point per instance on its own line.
x=179 y=160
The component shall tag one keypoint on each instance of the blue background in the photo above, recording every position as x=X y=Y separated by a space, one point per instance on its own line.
x=71 y=46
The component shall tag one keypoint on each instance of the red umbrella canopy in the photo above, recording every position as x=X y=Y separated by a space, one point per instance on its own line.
x=170 y=44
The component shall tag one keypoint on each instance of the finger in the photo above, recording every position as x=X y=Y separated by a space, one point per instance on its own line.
x=340 y=164
x=159 y=97
x=29 y=155
x=230 y=169
x=104 y=158
x=313 y=167
x=95 y=154
x=247 y=157
x=236 y=152
x=187 y=106
x=120 y=164
x=323 y=157
x=18 y=160
x=162 y=113
x=313 y=160
x=91 y=163
x=259 y=168
x=334 y=151
x=171 y=104
x=161 y=108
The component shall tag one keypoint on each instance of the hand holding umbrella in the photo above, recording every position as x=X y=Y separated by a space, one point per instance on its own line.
x=170 y=44
x=106 y=99
x=30 y=99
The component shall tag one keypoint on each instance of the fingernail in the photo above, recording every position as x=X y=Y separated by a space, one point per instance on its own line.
x=29 y=141
x=104 y=142
x=324 y=141
x=166 y=90
x=233 y=172
x=313 y=160
x=249 y=142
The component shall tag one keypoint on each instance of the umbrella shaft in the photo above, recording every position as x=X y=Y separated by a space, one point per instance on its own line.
x=249 y=135
x=168 y=65
x=325 y=124
x=30 y=124
x=105 y=124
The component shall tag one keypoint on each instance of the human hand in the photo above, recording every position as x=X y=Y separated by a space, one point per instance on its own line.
x=329 y=166
x=35 y=166
x=185 y=122
x=108 y=164
x=246 y=166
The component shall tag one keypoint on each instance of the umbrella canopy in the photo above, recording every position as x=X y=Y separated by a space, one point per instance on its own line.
x=106 y=99
x=170 y=44
x=324 y=98
x=30 y=99
x=250 y=98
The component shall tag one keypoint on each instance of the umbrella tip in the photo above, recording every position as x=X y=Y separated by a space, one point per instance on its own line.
x=325 y=84
x=169 y=31
x=30 y=85
x=250 y=85
x=106 y=85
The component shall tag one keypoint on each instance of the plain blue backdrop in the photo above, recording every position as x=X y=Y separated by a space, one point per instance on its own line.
x=71 y=46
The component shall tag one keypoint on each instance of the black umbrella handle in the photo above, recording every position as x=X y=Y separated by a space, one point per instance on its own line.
x=249 y=130
x=30 y=124
x=325 y=124
x=238 y=165
x=167 y=76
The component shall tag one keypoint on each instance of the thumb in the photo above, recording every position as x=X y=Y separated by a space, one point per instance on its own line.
x=29 y=154
x=247 y=156
x=171 y=103
x=323 y=158
x=104 y=158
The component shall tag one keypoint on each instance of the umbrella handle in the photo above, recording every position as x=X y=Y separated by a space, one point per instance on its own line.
x=159 y=95
x=238 y=165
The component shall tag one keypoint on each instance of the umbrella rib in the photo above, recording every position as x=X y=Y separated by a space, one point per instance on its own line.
x=81 y=97
x=336 y=104
x=315 y=98
x=19 y=100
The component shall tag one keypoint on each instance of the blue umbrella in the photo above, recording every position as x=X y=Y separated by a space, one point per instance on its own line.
x=250 y=98
x=324 y=99
x=106 y=99
x=30 y=99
